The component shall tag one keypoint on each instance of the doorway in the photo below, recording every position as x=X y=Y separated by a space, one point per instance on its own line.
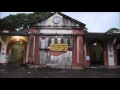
x=96 y=55
x=16 y=53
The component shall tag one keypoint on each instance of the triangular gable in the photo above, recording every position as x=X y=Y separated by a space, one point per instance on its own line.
x=53 y=20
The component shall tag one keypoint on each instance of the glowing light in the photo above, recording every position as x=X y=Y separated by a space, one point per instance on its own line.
x=17 y=39
x=95 y=44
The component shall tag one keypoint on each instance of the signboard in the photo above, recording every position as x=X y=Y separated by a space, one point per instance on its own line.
x=59 y=47
x=87 y=57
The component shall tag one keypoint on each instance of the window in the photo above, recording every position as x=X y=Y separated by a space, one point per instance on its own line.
x=49 y=42
x=62 y=40
x=56 y=41
x=42 y=43
x=68 y=41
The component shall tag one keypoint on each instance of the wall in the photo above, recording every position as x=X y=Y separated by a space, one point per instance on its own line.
x=63 y=60
x=54 y=31
x=3 y=49
x=48 y=21
x=55 y=59
x=110 y=55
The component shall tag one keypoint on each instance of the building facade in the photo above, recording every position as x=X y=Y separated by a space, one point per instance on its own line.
x=60 y=41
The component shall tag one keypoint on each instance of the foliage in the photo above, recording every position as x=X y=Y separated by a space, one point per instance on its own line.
x=14 y=21
x=111 y=30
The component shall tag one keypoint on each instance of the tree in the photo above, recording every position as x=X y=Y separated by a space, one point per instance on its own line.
x=111 y=30
x=12 y=22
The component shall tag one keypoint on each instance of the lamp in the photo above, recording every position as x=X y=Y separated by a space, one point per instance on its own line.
x=17 y=39
x=95 y=42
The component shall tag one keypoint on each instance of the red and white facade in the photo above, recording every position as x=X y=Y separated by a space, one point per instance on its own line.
x=63 y=30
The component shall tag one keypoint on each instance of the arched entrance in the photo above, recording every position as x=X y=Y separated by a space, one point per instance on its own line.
x=97 y=53
x=17 y=51
x=117 y=53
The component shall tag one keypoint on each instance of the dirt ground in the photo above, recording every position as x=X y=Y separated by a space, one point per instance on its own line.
x=22 y=71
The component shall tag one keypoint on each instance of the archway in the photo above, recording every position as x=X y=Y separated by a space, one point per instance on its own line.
x=96 y=55
x=16 y=53
x=17 y=50
x=97 y=50
x=117 y=53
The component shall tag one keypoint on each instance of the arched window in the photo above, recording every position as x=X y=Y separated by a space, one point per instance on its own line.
x=68 y=42
x=62 y=40
x=42 y=42
x=56 y=41
x=49 y=42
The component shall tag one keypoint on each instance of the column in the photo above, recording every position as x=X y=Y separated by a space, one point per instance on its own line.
x=74 y=55
x=30 y=59
x=81 y=53
x=36 y=51
x=78 y=50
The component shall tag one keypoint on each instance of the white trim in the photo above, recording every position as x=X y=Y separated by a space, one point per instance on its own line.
x=78 y=50
x=33 y=47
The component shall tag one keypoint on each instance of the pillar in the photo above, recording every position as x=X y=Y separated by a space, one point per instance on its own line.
x=74 y=57
x=78 y=52
x=81 y=53
x=36 y=54
x=31 y=46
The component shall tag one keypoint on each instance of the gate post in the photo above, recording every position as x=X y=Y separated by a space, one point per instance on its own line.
x=74 y=55
x=77 y=62
x=36 y=54
x=30 y=59
x=81 y=47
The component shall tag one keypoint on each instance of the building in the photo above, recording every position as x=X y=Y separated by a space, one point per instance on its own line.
x=60 y=41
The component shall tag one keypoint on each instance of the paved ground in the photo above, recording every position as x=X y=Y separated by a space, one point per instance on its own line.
x=18 y=71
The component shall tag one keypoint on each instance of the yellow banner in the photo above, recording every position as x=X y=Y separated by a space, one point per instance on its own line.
x=59 y=47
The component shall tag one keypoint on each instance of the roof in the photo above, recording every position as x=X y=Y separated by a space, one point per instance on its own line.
x=72 y=19
x=102 y=35
x=65 y=16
